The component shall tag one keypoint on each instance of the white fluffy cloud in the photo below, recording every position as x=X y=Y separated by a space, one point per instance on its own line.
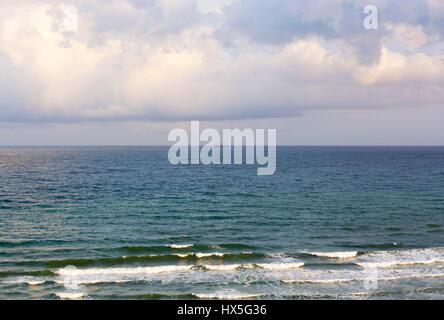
x=170 y=60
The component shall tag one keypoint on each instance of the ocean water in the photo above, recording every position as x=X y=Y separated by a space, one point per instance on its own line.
x=123 y=223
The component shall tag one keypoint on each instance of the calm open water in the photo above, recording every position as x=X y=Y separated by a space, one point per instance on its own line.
x=122 y=222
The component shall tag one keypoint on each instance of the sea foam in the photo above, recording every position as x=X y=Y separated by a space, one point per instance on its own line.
x=180 y=246
x=123 y=271
x=385 y=259
x=70 y=295
x=227 y=295
x=339 y=255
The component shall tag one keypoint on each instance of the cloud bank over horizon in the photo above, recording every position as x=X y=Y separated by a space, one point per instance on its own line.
x=141 y=67
x=173 y=60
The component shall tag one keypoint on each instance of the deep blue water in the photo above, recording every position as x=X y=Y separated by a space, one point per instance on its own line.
x=122 y=222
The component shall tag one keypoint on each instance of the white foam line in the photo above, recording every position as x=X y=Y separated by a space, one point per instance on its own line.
x=99 y=280
x=395 y=263
x=180 y=246
x=36 y=282
x=266 y=266
x=222 y=295
x=226 y=267
x=339 y=255
x=70 y=295
x=122 y=271
x=30 y=281
x=363 y=279
x=318 y=281
x=201 y=254
x=281 y=266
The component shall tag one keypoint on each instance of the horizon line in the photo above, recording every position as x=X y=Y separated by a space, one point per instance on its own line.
x=166 y=145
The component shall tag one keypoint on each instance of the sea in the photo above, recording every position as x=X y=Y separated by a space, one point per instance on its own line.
x=124 y=223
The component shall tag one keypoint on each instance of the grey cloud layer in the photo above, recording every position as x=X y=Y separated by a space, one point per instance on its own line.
x=170 y=60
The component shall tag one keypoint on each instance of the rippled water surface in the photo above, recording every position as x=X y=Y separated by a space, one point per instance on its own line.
x=332 y=222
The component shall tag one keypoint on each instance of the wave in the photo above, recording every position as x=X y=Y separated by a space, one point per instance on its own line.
x=228 y=295
x=364 y=278
x=317 y=280
x=35 y=282
x=96 y=275
x=281 y=266
x=73 y=276
x=385 y=259
x=403 y=292
x=180 y=246
x=70 y=295
x=69 y=275
x=397 y=263
x=32 y=281
x=146 y=258
x=72 y=272
x=223 y=267
x=339 y=255
x=204 y=255
x=265 y=266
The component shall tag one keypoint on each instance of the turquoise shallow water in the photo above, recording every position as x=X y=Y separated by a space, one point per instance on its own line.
x=123 y=223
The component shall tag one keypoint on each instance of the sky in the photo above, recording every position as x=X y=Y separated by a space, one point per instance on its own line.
x=126 y=72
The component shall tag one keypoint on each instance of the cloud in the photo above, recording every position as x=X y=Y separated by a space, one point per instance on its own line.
x=395 y=68
x=176 y=60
